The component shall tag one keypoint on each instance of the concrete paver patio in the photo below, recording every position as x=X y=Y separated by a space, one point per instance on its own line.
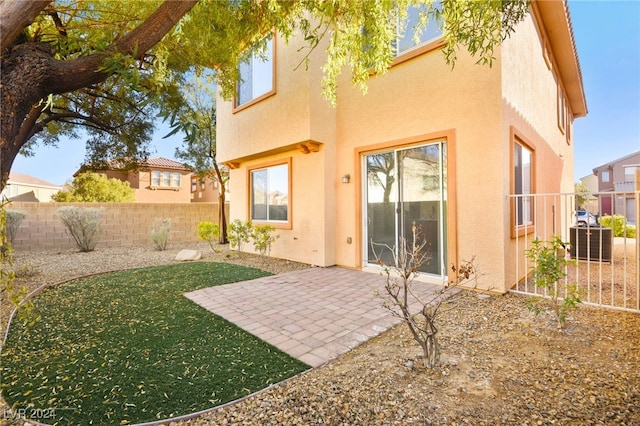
x=314 y=314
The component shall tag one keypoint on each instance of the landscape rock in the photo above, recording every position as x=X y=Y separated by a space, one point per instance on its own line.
x=187 y=255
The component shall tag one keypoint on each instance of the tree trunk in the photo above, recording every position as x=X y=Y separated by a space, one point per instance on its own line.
x=222 y=215
x=30 y=72
x=15 y=15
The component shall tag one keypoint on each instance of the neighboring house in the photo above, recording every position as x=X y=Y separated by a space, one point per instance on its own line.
x=619 y=176
x=157 y=180
x=430 y=146
x=205 y=189
x=21 y=187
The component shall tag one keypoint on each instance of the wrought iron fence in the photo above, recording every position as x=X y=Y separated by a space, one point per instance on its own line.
x=600 y=232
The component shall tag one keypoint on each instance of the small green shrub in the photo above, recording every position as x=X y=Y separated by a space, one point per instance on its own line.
x=82 y=225
x=13 y=220
x=239 y=233
x=209 y=232
x=9 y=290
x=618 y=223
x=550 y=262
x=263 y=236
x=159 y=230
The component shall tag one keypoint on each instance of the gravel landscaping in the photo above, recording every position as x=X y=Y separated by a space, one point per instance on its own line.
x=500 y=363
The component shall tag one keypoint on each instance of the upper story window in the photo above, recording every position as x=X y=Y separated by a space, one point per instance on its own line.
x=175 y=179
x=523 y=183
x=630 y=173
x=269 y=192
x=431 y=32
x=256 y=75
x=605 y=176
x=165 y=179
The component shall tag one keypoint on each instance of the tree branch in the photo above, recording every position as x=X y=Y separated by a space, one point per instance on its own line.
x=15 y=16
x=75 y=74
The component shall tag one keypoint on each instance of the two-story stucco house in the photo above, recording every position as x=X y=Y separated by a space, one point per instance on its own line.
x=157 y=180
x=430 y=146
x=619 y=178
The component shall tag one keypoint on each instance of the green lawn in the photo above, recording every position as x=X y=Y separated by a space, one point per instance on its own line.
x=128 y=347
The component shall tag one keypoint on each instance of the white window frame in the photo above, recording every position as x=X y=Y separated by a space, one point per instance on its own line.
x=155 y=178
x=261 y=83
x=413 y=17
x=523 y=178
x=175 y=179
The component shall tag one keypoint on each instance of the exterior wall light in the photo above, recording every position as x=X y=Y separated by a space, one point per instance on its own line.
x=346 y=178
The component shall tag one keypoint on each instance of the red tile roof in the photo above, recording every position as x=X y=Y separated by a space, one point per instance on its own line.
x=164 y=162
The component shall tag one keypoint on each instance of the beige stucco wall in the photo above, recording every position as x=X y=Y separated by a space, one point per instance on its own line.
x=473 y=107
x=530 y=92
x=424 y=96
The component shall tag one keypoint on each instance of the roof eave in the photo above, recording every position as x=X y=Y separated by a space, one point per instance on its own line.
x=557 y=21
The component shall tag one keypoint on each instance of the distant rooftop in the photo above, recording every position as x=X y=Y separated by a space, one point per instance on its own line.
x=164 y=162
x=22 y=179
x=159 y=162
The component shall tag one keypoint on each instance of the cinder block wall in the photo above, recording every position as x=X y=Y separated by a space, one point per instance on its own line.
x=122 y=225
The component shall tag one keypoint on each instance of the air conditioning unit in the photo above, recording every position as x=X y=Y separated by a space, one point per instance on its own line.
x=591 y=243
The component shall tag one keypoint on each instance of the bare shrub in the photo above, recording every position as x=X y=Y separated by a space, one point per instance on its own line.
x=82 y=225
x=12 y=222
x=159 y=230
x=400 y=293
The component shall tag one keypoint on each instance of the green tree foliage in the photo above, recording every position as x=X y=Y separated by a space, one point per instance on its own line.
x=582 y=194
x=92 y=187
x=109 y=66
x=196 y=118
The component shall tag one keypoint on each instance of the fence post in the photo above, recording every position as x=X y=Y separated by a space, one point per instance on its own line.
x=637 y=238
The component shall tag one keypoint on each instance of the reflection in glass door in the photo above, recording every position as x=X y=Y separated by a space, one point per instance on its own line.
x=406 y=188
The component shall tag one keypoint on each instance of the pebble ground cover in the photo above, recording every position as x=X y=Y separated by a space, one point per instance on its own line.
x=127 y=347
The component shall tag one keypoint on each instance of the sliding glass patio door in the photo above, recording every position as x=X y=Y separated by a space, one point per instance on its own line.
x=406 y=192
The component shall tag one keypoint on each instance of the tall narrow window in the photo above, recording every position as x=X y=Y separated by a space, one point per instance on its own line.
x=522 y=176
x=155 y=178
x=270 y=193
x=166 y=178
x=175 y=179
x=256 y=74
x=430 y=32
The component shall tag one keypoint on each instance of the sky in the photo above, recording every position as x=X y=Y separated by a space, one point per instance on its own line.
x=607 y=36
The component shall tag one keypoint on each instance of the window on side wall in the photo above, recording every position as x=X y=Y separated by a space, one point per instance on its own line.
x=175 y=179
x=269 y=194
x=522 y=184
x=256 y=75
x=562 y=110
x=155 y=178
x=431 y=32
x=166 y=178
x=630 y=173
